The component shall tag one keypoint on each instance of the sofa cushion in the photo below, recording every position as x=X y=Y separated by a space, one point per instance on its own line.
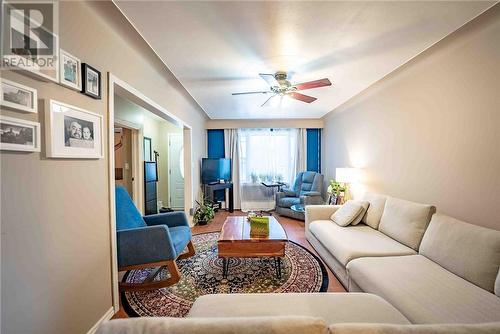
x=469 y=251
x=405 y=221
x=332 y=307
x=347 y=213
x=243 y=325
x=365 y=205
x=375 y=209
x=488 y=328
x=351 y=242
x=424 y=291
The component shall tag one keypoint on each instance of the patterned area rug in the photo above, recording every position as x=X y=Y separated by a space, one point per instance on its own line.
x=201 y=274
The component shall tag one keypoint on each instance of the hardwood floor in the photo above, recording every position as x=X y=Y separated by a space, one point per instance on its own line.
x=294 y=230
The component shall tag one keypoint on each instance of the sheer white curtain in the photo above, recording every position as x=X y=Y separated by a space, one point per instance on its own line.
x=232 y=149
x=301 y=156
x=266 y=155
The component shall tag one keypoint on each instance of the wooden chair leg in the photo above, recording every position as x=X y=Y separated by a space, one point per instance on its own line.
x=151 y=284
x=191 y=251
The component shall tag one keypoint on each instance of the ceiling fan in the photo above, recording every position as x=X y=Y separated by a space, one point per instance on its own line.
x=280 y=86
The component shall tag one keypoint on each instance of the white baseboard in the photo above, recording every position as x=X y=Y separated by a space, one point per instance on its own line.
x=108 y=315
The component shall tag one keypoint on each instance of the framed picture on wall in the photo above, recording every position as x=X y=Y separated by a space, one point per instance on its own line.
x=91 y=81
x=19 y=135
x=72 y=132
x=70 y=70
x=147 y=149
x=18 y=97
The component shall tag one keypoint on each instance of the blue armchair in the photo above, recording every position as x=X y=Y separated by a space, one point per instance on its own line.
x=154 y=241
x=306 y=190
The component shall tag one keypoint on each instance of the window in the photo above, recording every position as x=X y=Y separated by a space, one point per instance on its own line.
x=267 y=155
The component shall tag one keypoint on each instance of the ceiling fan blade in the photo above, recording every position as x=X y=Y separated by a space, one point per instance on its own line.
x=313 y=84
x=244 y=93
x=302 y=97
x=270 y=97
x=270 y=79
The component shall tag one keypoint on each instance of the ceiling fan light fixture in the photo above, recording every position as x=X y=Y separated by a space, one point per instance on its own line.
x=279 y=85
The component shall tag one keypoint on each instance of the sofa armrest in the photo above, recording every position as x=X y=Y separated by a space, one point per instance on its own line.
x=144 y=245
x=319 y=212
x=311 y=193
x=279 y=195
x=289 y=192
x=171 y=219
x=311 y=198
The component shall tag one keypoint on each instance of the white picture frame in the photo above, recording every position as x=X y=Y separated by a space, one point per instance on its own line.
x=70 y=70
x=18 y=97
x=72 y=132
x=17 y=141
x=29 y=68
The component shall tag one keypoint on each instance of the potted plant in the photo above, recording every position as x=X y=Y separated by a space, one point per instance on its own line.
x=254 y=177
x=204 y=212
x=336 y=190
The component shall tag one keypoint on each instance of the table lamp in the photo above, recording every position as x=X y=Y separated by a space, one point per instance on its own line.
x=346 y=175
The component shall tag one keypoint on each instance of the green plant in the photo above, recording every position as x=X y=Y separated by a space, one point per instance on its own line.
x=204 y=212
x=335 y=187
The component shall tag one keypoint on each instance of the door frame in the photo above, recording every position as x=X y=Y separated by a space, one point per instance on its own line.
x=115 y=85
x=137 y=170
x=169 y=183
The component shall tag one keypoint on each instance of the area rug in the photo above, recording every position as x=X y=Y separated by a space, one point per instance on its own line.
x=201 y=274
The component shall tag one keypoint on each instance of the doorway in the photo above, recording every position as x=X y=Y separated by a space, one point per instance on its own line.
x=158 y=118
x=124 y=171
x=176 y=171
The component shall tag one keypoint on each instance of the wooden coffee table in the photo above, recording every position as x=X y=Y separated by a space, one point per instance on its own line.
x=235 y=241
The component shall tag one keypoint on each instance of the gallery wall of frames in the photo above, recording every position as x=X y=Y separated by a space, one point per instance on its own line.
x=70 y=131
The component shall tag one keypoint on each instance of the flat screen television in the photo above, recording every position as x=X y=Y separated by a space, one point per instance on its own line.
x=214 y=170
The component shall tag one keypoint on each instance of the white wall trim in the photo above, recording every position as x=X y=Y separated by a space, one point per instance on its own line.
x=108 y=315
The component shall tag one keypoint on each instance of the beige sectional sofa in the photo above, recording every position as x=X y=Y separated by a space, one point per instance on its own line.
x=431 y=267
x=294 y=313
x=408 y=270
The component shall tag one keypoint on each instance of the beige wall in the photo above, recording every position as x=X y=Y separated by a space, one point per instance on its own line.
x=267 y=123
x=430 y=132
x=55 y=248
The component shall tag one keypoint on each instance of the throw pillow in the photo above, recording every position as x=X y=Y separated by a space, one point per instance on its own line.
x=347 y=213
x=365 y=205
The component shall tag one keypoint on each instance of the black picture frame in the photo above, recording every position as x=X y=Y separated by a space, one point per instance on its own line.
x=147 y=149
x=85 y=87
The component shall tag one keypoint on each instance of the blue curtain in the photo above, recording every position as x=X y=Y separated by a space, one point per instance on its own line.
x=215 y=149
x=215 y=143
x=314 y=150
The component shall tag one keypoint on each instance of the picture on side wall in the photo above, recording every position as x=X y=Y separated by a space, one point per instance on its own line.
x=79 y=133
x=70 y=71
x=18 y=97
x=91 y=81
x=73 y=132
x=19 y=135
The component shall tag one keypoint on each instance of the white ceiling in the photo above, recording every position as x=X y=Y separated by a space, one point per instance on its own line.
x=217 y=48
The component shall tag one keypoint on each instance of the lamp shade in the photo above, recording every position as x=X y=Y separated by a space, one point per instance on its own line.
x=346 y=175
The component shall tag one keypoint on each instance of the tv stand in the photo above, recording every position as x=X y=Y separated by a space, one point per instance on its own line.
x=208 y=191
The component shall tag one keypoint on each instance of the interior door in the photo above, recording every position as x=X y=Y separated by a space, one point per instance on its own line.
x=176 y=171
